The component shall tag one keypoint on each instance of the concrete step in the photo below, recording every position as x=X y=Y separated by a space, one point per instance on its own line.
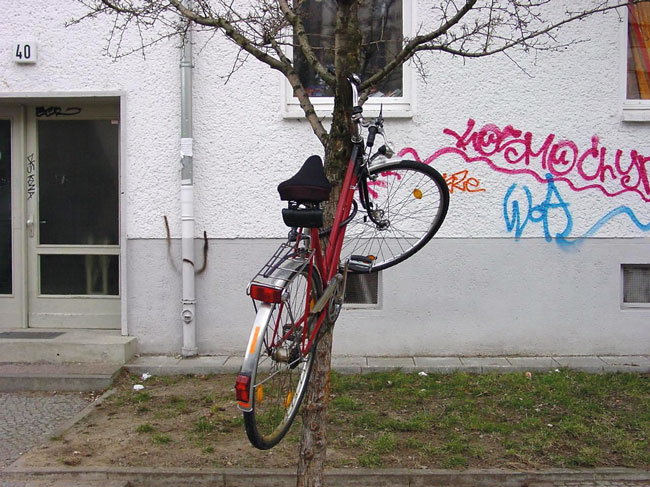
x=57 y=377
x=65 y=346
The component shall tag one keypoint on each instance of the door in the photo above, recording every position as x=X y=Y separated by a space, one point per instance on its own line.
x=72 y=216
x=11 y=222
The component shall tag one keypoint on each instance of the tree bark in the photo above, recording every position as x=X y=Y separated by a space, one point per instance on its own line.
x=313 y=443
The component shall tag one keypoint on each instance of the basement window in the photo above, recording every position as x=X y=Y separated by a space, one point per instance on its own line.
x=362 y=290
x=636 y=285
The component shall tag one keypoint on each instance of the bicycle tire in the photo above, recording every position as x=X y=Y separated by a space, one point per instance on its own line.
x=278 y=387
x=413 y=199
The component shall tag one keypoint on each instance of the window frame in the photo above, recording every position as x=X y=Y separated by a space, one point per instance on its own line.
x=634 y=110
x=632 y=304
x=393 y=107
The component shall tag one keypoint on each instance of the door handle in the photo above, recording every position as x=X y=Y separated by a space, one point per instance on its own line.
x=30 y=226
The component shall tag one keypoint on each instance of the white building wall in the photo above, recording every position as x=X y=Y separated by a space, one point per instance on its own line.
x=479 y=287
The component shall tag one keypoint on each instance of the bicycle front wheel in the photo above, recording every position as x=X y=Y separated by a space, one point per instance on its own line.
x=282 y=370
x=409 y=200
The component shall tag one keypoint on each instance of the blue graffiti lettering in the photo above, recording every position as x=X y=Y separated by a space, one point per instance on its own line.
x=518 y=213
x=542 y=213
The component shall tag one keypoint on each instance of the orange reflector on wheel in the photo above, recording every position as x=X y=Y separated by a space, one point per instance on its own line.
x=417 y=194
x=242 y=390
x=259 y=393
x=265 y=293
x=288 y=400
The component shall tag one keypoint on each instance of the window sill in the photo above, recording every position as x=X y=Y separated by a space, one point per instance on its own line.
x=390 y=109
x=636 y=111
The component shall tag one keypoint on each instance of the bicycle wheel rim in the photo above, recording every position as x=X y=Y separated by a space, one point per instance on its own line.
x=281 y=375
x=414 y=200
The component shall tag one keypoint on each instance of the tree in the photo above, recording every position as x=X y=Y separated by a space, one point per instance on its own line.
x=264 y=29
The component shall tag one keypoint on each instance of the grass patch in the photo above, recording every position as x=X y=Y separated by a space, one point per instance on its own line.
x=161 y=439
x=560 y=418
x=145 y=428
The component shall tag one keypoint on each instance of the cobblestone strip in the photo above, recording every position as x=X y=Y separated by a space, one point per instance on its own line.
x=26 y=418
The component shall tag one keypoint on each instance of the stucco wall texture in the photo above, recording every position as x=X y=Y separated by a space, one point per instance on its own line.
x=522 y=265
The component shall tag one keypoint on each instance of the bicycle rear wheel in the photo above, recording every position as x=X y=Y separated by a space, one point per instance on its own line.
x=282 y=371
x=410 y=199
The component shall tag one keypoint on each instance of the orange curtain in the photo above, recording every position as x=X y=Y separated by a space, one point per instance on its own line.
x=639 y=35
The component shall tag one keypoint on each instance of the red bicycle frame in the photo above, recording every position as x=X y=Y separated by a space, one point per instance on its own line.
x=327 y=263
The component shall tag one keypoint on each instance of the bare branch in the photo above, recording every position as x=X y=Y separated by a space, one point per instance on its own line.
x=303 y=40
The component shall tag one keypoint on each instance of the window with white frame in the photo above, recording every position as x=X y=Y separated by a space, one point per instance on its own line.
x=637 y=103
x=384 y=24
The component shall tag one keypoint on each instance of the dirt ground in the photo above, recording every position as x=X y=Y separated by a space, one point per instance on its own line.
x=193 y=422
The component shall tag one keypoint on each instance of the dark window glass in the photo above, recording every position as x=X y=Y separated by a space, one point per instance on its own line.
x=78 y=182
x=80 y=274
x=5 y=207
x=381 y=26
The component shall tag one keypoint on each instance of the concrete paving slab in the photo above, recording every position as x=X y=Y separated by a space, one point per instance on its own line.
x=485 y=364
x=438 y=365
x=233 y=364
x=383 y=364
x=349 y=365
x=581 y=363
x=172 y=365
x=531 y=364
x=627 y=363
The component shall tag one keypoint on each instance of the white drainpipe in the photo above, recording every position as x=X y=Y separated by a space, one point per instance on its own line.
x=187 y=201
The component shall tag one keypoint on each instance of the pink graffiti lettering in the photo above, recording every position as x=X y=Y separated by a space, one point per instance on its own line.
x=613 y=173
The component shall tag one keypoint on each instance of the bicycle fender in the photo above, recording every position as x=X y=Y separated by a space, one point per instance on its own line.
x=382 y=162
x=254 y=347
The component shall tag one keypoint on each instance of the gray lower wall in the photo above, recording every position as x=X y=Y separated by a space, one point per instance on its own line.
x=457 y=296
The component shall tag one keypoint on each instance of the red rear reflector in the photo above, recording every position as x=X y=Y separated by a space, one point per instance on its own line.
x=242 y=389
x=266 y=294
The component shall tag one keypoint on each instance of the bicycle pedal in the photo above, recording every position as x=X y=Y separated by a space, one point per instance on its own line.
x=361 y=263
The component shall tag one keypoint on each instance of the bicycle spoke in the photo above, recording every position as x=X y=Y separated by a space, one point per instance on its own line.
x=410 y=200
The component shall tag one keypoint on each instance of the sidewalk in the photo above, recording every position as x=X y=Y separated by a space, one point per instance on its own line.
x=217 y=364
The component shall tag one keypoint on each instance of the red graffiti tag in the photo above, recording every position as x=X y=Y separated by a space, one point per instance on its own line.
x=512 y=151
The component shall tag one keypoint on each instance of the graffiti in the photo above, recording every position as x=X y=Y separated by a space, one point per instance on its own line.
x=31 y=176
x=553 y=211
x=458 y=181
x=57 y=111
x=581 y=169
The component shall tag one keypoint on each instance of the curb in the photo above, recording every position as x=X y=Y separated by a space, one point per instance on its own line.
x=220 y=364
x=336 y=477
x=61 y=430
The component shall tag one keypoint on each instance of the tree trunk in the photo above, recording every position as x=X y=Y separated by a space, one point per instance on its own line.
x=313 y=443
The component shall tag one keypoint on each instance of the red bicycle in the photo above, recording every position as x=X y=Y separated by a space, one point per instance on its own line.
x=401 y=206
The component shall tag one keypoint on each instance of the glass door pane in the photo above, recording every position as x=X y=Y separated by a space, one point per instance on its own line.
x=5 y=208
x=78 y=181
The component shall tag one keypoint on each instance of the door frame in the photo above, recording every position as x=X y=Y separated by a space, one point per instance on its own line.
x=20 y=101
x=16 y=317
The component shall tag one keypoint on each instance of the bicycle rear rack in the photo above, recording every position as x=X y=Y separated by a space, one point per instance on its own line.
x=285 y=264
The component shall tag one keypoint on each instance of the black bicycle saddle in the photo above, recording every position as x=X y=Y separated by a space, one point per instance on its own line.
x=308 y=185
